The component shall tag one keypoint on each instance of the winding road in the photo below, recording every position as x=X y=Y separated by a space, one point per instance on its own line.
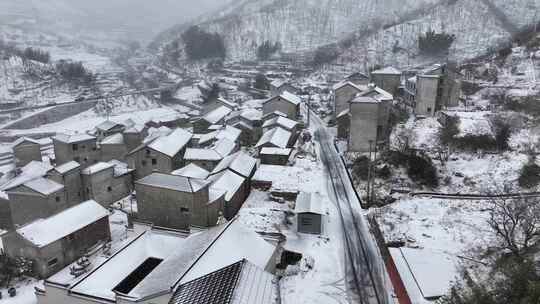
x=366 y=271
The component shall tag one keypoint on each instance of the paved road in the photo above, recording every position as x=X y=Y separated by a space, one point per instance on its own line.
x=366 y=273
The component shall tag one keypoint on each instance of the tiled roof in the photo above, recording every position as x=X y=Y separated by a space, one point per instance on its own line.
x=214 y=288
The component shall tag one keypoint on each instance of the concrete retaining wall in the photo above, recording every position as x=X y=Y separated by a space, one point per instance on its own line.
x=51 y=115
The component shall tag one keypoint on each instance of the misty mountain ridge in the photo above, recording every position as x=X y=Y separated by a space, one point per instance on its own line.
x=364 y=28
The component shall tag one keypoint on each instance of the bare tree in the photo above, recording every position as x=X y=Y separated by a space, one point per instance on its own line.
x=516 y=223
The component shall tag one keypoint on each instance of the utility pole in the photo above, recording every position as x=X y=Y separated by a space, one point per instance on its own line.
x=369 y=174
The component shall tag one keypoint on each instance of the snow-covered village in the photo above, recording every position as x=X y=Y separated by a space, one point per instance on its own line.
x=270 y=151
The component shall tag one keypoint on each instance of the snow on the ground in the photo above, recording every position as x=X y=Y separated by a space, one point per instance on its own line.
x=89 y=119
x=486 y=173
x=190 y=93
x=453 y=227
x=319 y=276
x=25 y=292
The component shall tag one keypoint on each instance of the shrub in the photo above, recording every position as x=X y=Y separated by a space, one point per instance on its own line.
x=200 y=44
x=267 y=49
x=448 y=132
x=530 y=175
x=74 y=72
x=261 y=82
x=432 y=43
x=421 y=169
x=36 y=55
x=476 y=142
x=325 y=55
x=502 y=134
x=361 y=167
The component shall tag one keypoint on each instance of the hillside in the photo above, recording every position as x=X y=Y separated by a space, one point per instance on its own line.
x=303 y=25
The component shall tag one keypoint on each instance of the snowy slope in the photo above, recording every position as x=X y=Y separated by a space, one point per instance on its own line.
x=373 y=26
x=302 y=25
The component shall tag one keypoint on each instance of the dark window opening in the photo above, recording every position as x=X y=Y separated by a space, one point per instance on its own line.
x=289 y=258
x=52 y=262
x=75 y=147
x=184 y=210
x=154 y=161
x=429 y=110
x=134 y=278
x=109 y=189
x=57 y=198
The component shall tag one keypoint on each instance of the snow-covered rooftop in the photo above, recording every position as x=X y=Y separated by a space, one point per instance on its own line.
x=172 y=143
x=251 y=114
x=217 y=115
x=74 y=138
x=46 y=231
x=275 y=113
x=64 y=168
x=426 y=274
x=120 y=168
x=32 y=170
x=290 y=97
x=387 y=71
x=224 y=147
x=278 y=83
x=309 y=203
x=108 y=125
x=283 y=122
x=44 y=186
x=227 y=103
x=240 y=162
x=282 y=177
x=364 y=99
x=278 y=137
x=97 y=167
x=115 y=139
x=241 y=282
x=276 y=151
x=192 y=171
x=202 y=154
x=21 y=140
x=227 y=181
x=341 y=84
x=229 y=132
x=172 y=182
x=183 y=260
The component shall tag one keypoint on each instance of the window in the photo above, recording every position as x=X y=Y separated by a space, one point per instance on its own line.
x=52 y=262
x=88 y=190
x=184 y=209
x=154 y=161
x=306 y=221
x=109 y=189
x=429 y=110
x=75 y=147
x=57 y=199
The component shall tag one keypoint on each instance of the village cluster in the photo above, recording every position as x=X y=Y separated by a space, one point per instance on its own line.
x=181 y=189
